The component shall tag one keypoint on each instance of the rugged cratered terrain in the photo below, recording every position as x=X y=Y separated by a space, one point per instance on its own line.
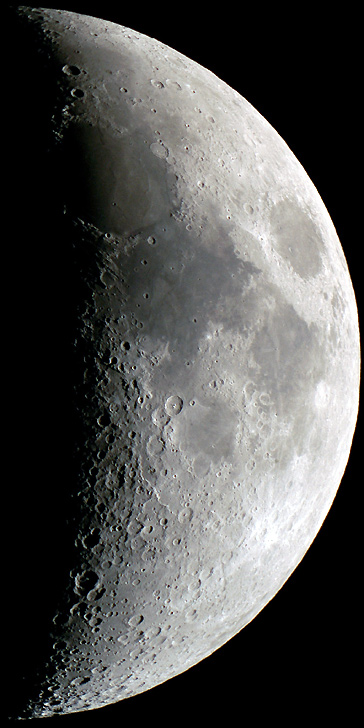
x=205 y=360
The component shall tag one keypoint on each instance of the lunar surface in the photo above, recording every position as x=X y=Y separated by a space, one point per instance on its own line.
x=195 y=350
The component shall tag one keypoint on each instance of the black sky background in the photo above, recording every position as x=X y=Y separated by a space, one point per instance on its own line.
x=300 y=70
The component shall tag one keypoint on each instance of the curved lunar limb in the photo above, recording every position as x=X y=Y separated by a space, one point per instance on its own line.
x=201 y=361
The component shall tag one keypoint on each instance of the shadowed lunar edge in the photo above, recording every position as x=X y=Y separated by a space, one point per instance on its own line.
x=196 y=350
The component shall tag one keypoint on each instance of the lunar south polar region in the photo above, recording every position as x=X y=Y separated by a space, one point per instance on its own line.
x=216 y=351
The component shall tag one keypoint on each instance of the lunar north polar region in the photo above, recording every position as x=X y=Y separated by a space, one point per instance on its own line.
x=215 y=359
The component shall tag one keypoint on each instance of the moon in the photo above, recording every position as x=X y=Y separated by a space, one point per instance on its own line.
x=203 y=360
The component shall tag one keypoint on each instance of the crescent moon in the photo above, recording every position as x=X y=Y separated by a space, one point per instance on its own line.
x=202 y=358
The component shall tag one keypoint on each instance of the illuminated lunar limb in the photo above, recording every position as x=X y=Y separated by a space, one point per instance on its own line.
x=213 y=359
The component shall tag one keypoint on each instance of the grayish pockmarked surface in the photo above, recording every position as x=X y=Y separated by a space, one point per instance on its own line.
x=218 y=391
